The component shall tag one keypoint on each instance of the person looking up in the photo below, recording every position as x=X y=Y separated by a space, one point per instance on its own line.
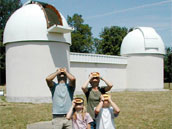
x=94 y=92
x=62 y=96
x=105 y=113
x=80 y=118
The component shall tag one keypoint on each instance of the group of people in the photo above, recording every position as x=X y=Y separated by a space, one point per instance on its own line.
x=70 y=113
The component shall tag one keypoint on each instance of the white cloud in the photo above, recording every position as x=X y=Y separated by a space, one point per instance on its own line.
x=130 y=9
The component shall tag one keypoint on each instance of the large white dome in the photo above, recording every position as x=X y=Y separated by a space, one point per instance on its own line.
x=36 y=21
x=142 y=40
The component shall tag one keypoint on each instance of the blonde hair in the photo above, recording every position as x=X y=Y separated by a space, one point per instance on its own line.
x=83 y=113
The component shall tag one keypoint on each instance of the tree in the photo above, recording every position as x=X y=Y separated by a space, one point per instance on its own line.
x=168 y=65
x=96 y=42
x=110 y=40
x=81 y=36
x=7 y=7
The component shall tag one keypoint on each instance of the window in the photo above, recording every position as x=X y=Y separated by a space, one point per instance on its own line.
x=52 y=15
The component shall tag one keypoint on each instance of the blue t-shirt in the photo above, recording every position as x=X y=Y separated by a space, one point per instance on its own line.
x=62 y=96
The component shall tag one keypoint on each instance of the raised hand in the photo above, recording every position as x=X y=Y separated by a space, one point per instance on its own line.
x=102 y=98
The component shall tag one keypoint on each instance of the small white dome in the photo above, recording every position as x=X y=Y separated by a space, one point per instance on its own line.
x=142 y=40
x=36 y=21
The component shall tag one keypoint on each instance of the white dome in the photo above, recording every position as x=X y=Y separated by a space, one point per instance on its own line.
x=37 y=22
x=142 y=40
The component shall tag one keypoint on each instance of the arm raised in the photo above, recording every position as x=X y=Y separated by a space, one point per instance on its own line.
x=85 y=85
x=109 y=84
x=100 y=105
x=69 y=114
x=50 y=78
x=71 y=78
x=114 y=105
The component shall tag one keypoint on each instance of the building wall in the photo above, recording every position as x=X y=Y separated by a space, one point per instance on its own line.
x=116 y=74
x=27 y=66
x=145 y=72
x=112 y=68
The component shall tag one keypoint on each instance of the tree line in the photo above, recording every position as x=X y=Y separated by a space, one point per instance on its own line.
x=108 y=43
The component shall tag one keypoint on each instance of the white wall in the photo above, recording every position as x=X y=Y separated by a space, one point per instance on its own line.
x=27 y=66
x=145 y=72
x=115 y=73
x=29 y=63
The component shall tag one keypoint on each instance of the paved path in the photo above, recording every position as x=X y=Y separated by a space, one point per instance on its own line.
x=40 y=125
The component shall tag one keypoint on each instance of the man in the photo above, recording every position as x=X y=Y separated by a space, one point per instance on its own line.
x=62 y=96
x=94 y=92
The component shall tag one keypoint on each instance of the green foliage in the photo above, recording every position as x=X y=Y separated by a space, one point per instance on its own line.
x=81 y=36
x=168 y=65
x=131 y=29
x=7 y=7
x=111 y=39
x=2 y=57
x=96 y=42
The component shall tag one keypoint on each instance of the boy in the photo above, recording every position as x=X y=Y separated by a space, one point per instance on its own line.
x=105 y=114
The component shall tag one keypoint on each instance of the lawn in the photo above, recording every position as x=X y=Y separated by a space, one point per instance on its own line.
x=139 y=110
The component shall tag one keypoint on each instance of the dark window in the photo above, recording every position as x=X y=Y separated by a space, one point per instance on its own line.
x=53 y=16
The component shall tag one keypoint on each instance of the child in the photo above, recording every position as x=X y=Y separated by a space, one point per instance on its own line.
x=80 y=118
x=105 y=114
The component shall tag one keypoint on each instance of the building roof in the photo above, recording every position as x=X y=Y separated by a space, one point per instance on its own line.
x=37 y=21
x=97 y=58
x=142 y=40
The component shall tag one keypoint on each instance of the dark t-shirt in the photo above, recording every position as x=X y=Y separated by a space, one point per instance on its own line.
x=93 y=99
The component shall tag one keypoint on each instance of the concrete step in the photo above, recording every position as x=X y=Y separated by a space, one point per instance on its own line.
x=41 y=125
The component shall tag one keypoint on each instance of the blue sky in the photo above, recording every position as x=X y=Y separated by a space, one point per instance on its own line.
x=123 y=13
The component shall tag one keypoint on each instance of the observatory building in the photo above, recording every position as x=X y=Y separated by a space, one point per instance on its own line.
x=144 y=50
x=37 y=39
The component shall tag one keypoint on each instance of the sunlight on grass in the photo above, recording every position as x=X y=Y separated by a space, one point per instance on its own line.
x=144 y=110
x=139 y=110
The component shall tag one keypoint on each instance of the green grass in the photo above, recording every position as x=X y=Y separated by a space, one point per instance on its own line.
x=168 y=86
x=139 y=110
x=144 y=110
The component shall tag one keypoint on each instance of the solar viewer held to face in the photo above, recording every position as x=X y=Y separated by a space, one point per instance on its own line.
x=80 y=118
x=94 y=92
x=62 y=96
x=105 y=112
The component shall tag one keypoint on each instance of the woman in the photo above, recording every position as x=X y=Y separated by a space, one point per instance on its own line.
x=94 y=92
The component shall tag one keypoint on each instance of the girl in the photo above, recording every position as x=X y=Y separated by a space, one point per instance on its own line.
x=80 y=118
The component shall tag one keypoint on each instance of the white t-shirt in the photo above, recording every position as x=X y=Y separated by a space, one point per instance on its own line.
x=105 y=119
